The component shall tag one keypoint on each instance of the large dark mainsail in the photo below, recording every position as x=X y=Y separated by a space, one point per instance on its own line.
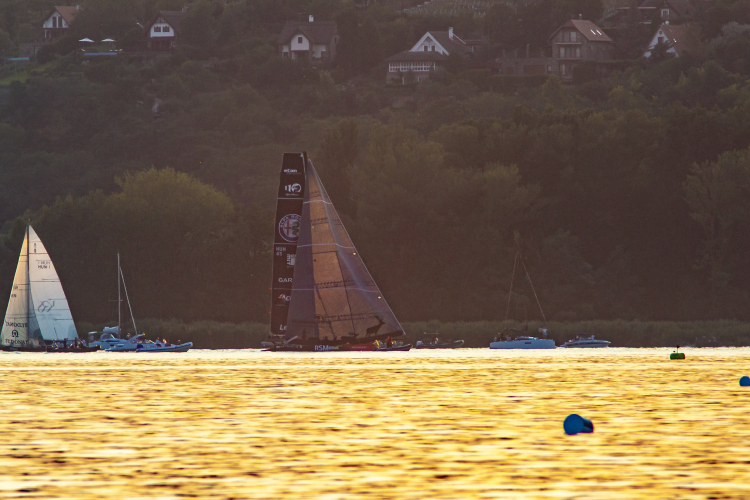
x=288 y=217
x=334 y=299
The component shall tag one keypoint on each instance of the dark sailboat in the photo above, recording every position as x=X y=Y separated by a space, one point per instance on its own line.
x=324 y=299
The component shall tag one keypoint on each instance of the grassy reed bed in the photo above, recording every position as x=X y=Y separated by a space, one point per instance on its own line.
x=216 y=335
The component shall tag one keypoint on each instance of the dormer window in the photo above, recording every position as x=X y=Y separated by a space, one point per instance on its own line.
x=165 y=29
x=299 y=39
x=426 y=48
x=157 y=29
x=665 y=14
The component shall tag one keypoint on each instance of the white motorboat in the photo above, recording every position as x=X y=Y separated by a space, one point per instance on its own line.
x=140 y=343
x=109 y=337
x=586 y=341
x=524 y=343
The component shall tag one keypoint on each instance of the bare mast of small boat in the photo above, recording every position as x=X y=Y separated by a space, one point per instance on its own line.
x=121 y=279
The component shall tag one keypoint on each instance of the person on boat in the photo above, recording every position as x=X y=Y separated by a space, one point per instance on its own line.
x=389 y=342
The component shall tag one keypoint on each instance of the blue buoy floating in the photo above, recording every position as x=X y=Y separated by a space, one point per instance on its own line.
x=575 y=424
x=745 y=381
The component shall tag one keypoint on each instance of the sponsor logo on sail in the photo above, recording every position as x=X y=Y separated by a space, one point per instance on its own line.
x=284 y=298
x=325 y=348
x=289 y=227
x=44 y=264
x=290 y=171
x=16 y=325
x=45 y=306
x=293 y=188
x=291 y=259
x=285 y=280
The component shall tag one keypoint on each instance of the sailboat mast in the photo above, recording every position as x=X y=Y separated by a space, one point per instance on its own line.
x=119 y=300
x=28 y=285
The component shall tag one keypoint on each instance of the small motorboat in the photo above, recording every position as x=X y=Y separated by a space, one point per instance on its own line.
x=139 y=343
x=523 y=342
x=435 y=343
x=395 y=346
x=586 y=341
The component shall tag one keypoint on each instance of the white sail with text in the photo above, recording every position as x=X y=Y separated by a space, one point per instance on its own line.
x=47 y=295
x=334 y=298
x=20 y=328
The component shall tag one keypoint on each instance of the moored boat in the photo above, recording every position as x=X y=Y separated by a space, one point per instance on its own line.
x=323 y=297
x=140 y=343
x=523 y=342
x=435 y=343
x=585 y=341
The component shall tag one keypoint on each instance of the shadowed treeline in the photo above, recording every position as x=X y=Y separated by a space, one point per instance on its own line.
x=217 y=335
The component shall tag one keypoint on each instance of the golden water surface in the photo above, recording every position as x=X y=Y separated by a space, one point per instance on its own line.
x=468 y=423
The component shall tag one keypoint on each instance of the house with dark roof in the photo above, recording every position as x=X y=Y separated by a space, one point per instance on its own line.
x=578 y=41
x=656 y=11
x=665 y=10
x=58 y=21
x=164 y=30
x=313 y=40
x=674 y=36
x=431 y=51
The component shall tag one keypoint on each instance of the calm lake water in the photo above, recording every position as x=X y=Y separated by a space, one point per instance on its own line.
x=468 y=423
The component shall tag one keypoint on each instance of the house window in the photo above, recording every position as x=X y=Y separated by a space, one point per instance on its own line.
x=566 y=36
x=157 y=29
x=54 y=21
x=665 y=14
x=572 y=36
x=426 y=48
x=564 y=69
x=662 y=39
x=432 y=48
x=165 y=29
x=578 y=52
x=299 y=39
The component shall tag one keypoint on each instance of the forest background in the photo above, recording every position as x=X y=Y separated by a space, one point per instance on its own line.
x=629 y=198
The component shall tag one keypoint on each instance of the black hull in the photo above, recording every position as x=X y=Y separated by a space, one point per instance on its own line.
x=10 y=348
x=399 y=348
x=73 y=349
x=443 y=345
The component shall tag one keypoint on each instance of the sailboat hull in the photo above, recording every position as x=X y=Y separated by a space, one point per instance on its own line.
x=11 y=348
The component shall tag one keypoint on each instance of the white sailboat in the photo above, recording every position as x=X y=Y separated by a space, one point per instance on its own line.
x=38 y=311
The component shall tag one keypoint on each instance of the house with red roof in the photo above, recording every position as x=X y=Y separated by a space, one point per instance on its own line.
x=673 y=36
x=578 y=41
x=58 y=21
x=430 y=52
x=312 y=40
x=164 y=30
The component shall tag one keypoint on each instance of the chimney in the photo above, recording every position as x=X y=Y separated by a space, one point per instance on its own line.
x=450 y=33
x=312 y=19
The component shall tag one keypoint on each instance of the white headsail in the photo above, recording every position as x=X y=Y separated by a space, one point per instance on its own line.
x=20 y=328
x=47 y=296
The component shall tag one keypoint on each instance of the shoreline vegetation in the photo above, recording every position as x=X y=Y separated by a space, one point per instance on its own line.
x=218 y=335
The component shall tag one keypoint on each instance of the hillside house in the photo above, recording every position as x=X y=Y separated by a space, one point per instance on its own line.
x=58 y=21
x=673 y=36
x=312 y=40
x=659 y=11
x=426 y=55
x=579 y=41
x=164 y=30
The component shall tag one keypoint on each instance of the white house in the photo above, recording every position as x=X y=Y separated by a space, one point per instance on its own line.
x=674 y=36
x=164 y=30
x=314 y=40
x=426 y=55
x=58 y=21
